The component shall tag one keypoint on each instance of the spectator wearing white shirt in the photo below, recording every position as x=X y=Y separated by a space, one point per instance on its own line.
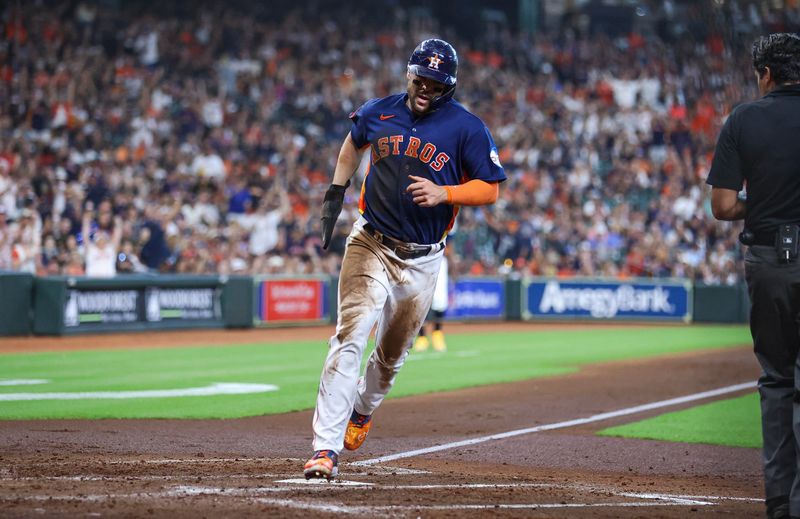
x=5 y=242
x=263 y=224
x=208 y=164
x=8 y=190
x=201 y=213
x=26 y=242
x=100 y=250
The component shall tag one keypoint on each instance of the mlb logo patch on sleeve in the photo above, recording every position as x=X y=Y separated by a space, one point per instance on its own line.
x=495 y=157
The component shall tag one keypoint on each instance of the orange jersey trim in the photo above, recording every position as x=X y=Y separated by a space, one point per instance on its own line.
x=362 y=200
x=451 y=224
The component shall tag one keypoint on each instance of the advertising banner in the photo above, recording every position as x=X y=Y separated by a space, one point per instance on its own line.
x=291 y=300
x=182 y=303
x=121 y=309
x=608 y=299
x=91 y=307
x=477 y=298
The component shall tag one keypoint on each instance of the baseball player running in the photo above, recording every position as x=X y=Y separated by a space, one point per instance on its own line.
x=429 y=155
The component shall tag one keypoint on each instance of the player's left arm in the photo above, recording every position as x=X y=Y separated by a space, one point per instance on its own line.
x=482 y=164
x=475 y=192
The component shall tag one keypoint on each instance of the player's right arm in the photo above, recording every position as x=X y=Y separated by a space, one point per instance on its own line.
x=346 y=164
x=348 y=161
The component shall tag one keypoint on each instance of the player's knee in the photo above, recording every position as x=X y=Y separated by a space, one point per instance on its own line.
x=388 y=362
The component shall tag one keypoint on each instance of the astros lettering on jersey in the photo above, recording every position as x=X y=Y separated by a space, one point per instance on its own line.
x=448 y=145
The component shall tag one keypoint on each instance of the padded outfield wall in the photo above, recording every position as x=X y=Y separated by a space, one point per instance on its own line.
x=75 y=305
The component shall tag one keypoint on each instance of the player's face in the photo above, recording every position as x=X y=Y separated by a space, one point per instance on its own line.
x=421 y=93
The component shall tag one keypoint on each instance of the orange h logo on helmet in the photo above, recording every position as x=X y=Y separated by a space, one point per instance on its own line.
x=435 y=60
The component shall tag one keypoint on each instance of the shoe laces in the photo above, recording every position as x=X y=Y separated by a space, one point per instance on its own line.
x=331 y=455
x=360 y=420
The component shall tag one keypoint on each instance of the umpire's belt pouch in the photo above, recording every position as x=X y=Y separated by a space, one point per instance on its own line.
x=786 y=242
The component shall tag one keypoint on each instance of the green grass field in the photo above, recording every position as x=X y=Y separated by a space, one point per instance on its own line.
x=472 y=360
x=735 y=422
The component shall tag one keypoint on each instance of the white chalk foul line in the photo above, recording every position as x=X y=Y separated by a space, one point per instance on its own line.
x=561 y=425
x=723 y=498
x=291 y=485
x=23 y=382
x=436 y=355
x=294 y=483
x=646 y=499
x=255 y=495
x=217 y=388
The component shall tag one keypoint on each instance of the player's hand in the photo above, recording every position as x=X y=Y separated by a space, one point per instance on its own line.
x=426 y=193
x=331 y=207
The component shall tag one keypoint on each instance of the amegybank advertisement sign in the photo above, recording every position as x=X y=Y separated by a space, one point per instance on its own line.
x=608 y=299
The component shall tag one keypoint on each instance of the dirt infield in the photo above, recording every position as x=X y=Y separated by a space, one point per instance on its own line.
x=251 y=467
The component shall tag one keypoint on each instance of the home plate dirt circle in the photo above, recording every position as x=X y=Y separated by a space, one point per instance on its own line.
x=193 y=487
x=252 y=467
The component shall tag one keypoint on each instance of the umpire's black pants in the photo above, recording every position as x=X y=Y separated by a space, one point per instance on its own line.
x=774 y=289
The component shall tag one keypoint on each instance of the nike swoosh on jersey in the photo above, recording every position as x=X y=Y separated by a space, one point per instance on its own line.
x=384 y=117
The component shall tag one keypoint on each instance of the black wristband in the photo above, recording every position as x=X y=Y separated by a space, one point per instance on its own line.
x=334 y=193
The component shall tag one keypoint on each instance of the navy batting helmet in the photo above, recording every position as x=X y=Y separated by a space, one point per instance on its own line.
x=435 y=59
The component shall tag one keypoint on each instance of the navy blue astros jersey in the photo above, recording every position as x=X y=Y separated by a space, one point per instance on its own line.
x=449 y=146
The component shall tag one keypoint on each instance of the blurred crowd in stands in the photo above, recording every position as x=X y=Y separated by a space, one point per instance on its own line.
x=132 y=141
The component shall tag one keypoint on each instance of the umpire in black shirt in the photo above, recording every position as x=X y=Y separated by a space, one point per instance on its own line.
x=759 y=147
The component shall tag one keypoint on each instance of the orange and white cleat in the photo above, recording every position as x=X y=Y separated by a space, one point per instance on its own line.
x=357 y=430
x=323 y=464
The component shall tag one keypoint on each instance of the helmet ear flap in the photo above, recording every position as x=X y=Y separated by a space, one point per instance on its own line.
x=444 y=98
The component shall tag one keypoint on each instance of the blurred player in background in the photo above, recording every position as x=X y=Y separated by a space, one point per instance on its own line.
x=438 y=308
